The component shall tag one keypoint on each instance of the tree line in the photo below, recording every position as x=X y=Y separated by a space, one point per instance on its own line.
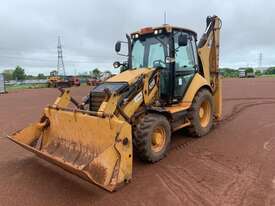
x=96 y=73
x=19 y=74
x=229 y=72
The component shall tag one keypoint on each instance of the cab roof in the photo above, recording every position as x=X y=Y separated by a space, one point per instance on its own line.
x=166 y=27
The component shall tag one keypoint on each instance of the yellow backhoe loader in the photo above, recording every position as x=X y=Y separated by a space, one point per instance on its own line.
x=168 y=82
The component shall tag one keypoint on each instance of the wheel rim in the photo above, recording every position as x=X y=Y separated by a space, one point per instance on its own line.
x=158 y=139
x=205 y=113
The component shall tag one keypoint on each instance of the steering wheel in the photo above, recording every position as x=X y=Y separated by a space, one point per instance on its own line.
x=158 y=64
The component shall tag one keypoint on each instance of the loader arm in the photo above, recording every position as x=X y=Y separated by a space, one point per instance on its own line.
x=208 y=50
x=143 y=91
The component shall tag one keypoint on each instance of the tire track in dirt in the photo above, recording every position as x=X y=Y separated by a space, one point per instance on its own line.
x=236 y=111
x=185 y=143
x=170 y=190
x=210 y=162
x=270 y=200
x=235 y=192
x=238 y=181
x=232 y=190
x=266 y=174
x=247 y=98
x=181 y=183
x=239 y=108
x=200 y=193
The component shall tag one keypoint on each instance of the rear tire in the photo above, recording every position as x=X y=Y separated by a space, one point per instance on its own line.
x=152 y=137
x=201 y=114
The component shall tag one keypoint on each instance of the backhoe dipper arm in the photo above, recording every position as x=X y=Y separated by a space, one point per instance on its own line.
x=208 y=50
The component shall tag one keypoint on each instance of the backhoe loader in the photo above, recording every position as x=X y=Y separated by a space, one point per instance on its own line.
x=169 y=82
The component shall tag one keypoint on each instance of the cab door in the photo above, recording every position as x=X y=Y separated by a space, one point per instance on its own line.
x=185 y=65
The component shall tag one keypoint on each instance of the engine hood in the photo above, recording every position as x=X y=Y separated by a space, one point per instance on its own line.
x=130 y=76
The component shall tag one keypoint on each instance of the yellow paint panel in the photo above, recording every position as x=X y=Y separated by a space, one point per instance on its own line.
x=197 y=82
x=64 y=100
x=178 y=107
x=30 y=133
x=218 y=99
x=129 y=75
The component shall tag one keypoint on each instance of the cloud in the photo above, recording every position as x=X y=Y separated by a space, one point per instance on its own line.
x=89 y=29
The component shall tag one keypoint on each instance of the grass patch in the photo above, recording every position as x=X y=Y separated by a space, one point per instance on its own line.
x=17 y=87
x=268 y=75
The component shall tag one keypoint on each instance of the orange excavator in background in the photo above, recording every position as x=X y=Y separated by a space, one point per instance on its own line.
x=56 y=81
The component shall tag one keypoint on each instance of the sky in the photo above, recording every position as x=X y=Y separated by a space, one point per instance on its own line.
x=89 y=29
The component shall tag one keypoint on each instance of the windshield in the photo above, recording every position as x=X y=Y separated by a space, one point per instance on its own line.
x=150 y=52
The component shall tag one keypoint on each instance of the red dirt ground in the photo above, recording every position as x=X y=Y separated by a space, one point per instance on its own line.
x=233 y=165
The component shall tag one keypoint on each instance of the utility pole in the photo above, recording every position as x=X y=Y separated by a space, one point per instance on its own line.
x=60 y=62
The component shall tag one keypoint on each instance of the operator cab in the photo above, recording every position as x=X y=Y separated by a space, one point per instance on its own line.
x=170 y=49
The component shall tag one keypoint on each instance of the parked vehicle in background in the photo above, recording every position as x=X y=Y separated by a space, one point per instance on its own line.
x=105 y=75
x=250 y=75
x=74 y=81
x=247 y=73
x=242 y=74
x=93 y=81
x=54 y=80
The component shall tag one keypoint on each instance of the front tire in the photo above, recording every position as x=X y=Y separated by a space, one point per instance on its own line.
x=201 y=114
x=152 y=137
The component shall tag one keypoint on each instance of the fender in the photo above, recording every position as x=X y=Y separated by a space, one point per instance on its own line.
x=197 y=83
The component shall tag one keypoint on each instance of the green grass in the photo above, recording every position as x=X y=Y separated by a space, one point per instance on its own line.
x=268 y=75
x=17 y=87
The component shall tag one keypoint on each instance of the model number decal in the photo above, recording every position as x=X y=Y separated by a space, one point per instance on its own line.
x=139 y=97
x=152 y=84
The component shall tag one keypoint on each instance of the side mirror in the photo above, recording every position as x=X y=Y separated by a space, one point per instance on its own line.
x=116 y=65
x=118 y=46
x=182 y=40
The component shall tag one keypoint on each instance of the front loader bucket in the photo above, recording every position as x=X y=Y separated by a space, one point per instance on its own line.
x=98 y=149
